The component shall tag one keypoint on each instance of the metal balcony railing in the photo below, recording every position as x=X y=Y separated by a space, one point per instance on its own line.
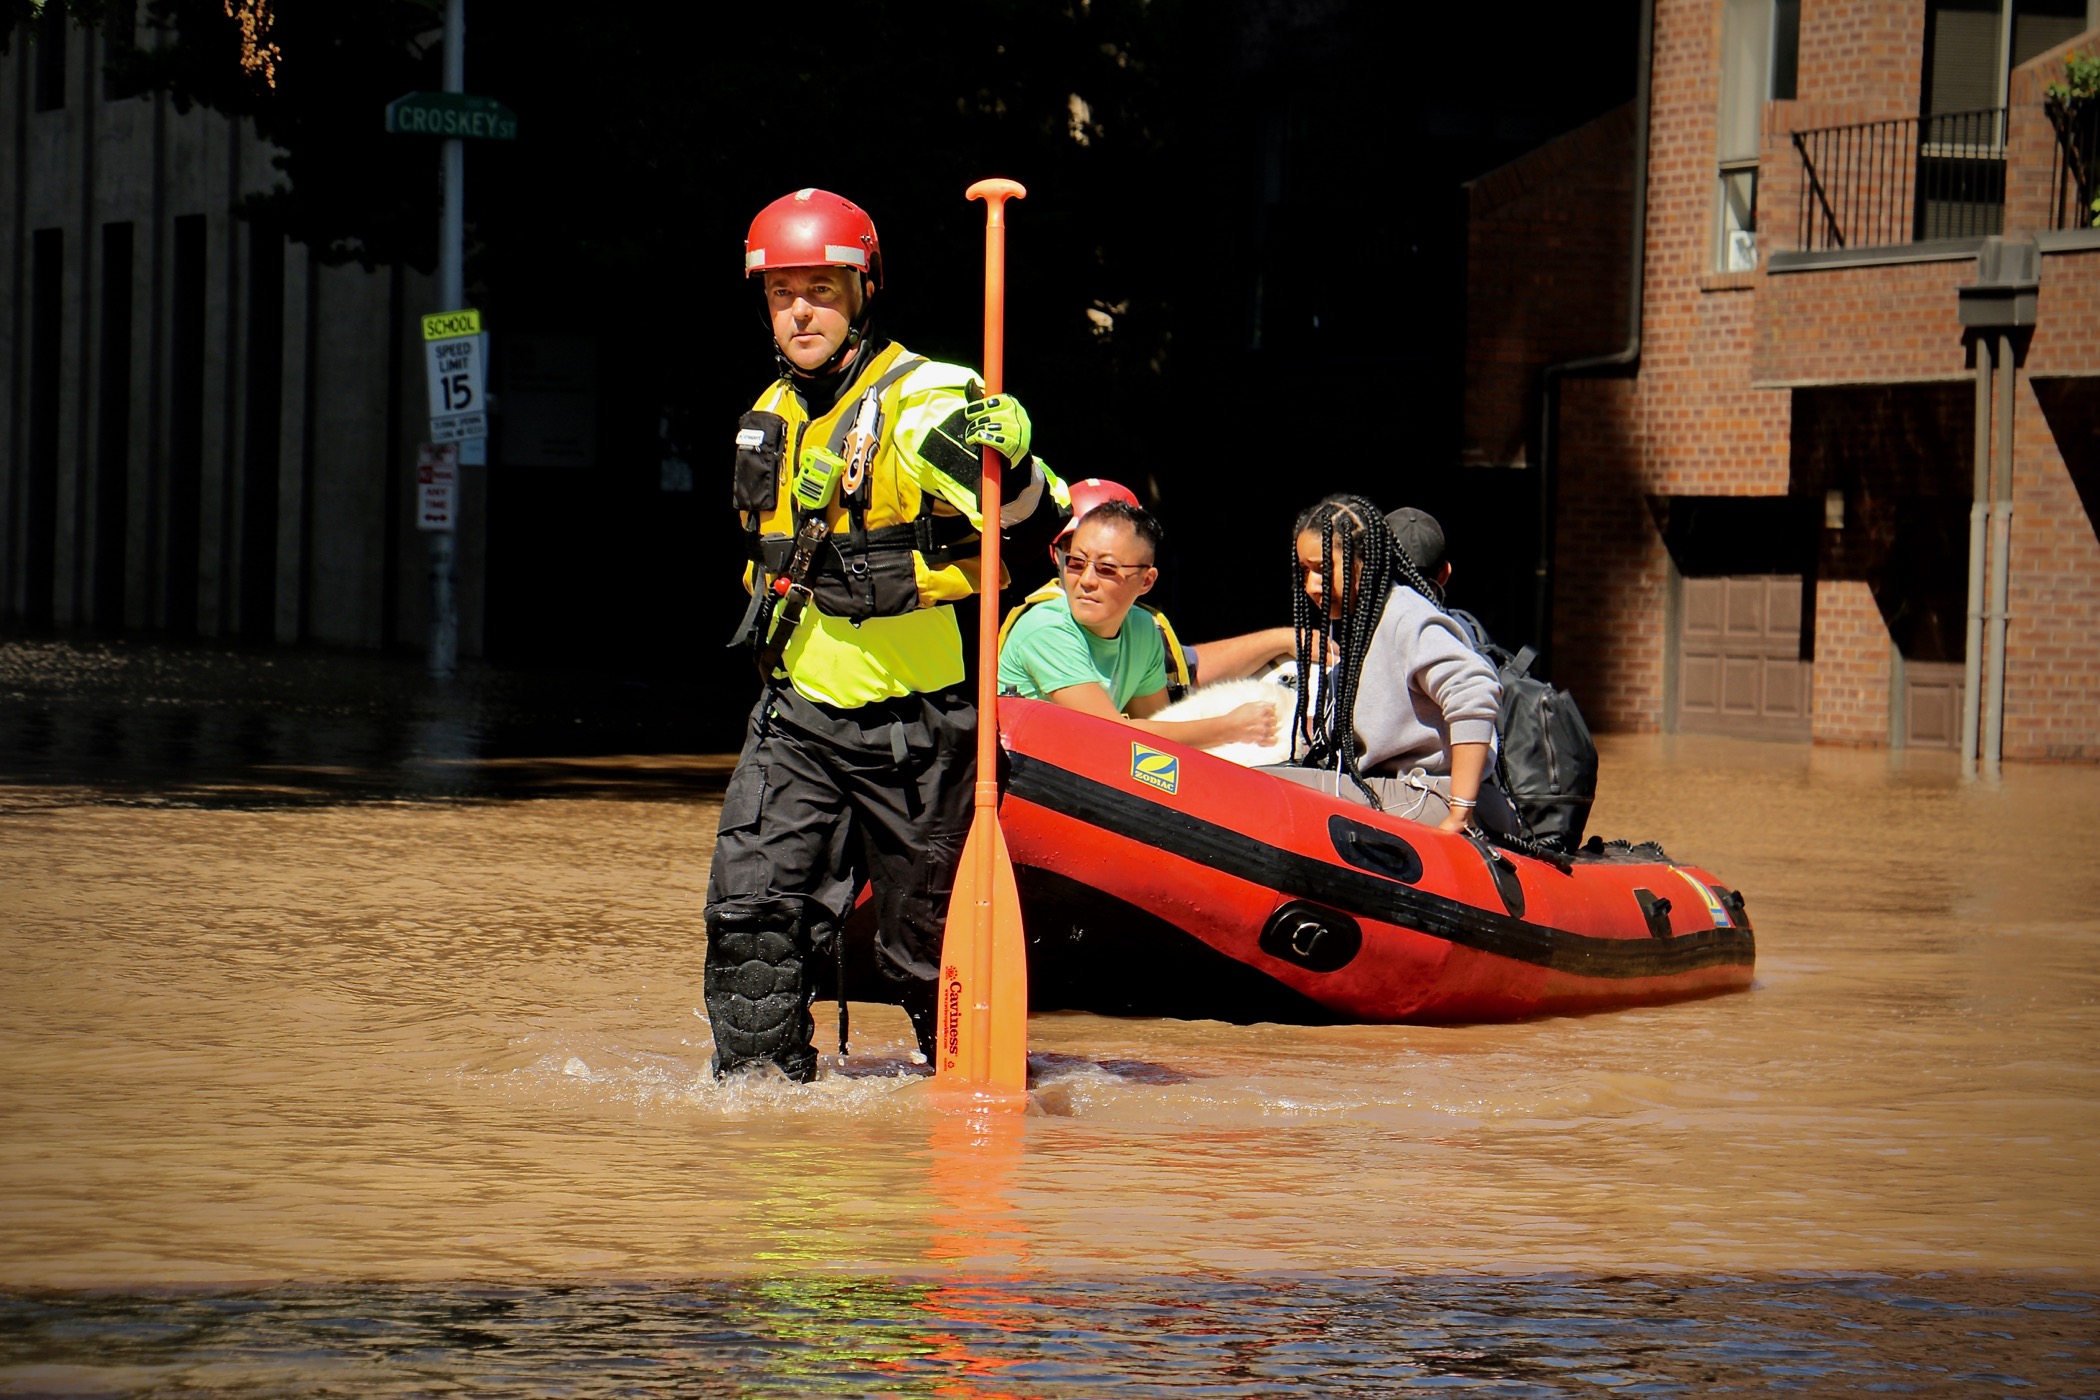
x=1877 y=184
x=2074 y=168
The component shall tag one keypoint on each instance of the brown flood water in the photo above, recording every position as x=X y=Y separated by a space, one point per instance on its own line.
x=443 y=1040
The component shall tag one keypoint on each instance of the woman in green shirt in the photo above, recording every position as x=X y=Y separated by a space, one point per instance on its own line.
x=1076 y=651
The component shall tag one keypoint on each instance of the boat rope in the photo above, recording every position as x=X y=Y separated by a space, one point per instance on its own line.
x=1525 y=846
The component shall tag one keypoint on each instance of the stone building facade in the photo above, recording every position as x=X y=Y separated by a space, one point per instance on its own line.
x=207 y=430
x=1762 y=520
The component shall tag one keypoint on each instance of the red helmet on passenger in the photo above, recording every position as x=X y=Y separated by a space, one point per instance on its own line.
x=813 y=228
x=1085 y=496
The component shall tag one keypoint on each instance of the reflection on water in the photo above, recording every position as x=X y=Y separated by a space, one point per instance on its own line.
x=1078 y=1337
x=202 y=725
x=383 y=1093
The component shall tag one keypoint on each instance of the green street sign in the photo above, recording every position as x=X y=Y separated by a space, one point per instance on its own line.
x=451 y=114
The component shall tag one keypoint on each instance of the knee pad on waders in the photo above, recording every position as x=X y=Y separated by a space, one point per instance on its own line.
x=757 y=990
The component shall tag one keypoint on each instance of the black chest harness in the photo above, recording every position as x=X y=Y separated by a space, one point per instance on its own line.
x=872 y=574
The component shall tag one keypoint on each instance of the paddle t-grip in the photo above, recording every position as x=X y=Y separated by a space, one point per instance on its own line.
x=995 y=193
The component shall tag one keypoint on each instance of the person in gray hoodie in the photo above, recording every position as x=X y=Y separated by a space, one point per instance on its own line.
x=1403 y=718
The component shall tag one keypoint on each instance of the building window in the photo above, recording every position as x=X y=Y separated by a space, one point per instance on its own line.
x=51 y=59
x=1760 y=47
x=113 y=441
x=1973 y=46
x=1738 y=252
x=47 y=283
x=188 y=350
x=1786 y=49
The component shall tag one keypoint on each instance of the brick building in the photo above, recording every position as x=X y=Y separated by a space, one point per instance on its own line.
x=1760 y=469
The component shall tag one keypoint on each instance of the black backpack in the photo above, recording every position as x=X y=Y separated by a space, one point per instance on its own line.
x=1549 y=761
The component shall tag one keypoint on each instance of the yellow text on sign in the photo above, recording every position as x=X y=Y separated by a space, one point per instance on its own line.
x=443 y=325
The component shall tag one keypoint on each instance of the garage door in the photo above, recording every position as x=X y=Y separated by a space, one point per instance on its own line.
x=1739 y=666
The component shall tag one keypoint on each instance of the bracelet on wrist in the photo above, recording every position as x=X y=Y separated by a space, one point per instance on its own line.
x=1464 y=802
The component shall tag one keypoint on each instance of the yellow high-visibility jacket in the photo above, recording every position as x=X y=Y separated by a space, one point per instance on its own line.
x=878 y=625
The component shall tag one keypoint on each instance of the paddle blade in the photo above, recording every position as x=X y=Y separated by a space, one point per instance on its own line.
x=984 y=969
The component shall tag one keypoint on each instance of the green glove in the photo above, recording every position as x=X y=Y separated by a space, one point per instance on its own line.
x=816 y=476
x=998 y=422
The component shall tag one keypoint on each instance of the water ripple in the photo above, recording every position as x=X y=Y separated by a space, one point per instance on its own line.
x=1545 y=1335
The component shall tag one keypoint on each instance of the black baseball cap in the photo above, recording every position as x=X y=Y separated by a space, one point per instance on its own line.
x=1417 y=532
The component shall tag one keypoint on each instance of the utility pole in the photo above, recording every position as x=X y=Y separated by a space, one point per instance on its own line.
x=444 y=565
x=454 y=345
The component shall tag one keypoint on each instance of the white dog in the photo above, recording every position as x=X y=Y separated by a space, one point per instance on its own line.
x=1223 y=697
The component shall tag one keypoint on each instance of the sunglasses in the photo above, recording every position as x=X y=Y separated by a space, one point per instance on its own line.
x=1076 y=566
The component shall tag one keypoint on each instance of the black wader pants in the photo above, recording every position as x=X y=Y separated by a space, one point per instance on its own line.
x=823 y=797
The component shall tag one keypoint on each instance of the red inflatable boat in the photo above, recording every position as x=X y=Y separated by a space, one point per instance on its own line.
x=1157 y=880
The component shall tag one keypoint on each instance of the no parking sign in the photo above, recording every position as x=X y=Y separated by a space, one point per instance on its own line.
x=437 y=485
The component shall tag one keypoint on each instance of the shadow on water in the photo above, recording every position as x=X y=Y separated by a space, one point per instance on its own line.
x=1538 y=1335
x=136 y=722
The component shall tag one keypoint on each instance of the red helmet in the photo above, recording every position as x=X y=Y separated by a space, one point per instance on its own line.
x=813 y=228
x=1085 y=496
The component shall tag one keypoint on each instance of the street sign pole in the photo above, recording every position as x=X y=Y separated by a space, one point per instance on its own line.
x=444 y=606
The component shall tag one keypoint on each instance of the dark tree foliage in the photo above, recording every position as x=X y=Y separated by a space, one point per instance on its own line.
x=18 y=17
x=351 y=191
x=1244 y=232
x=650 y=133
x=648 y=145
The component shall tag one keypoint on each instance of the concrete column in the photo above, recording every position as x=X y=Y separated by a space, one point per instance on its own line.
x=2001 y=563
x=1979 y=509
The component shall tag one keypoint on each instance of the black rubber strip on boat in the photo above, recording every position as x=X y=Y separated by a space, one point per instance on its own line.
x=1291 y=875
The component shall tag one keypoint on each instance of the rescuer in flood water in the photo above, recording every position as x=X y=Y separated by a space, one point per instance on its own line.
x=856 y=479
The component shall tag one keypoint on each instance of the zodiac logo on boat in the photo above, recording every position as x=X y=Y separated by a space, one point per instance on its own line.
x=1155 y=769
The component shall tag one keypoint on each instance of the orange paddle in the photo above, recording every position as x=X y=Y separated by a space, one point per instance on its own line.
x=984 y=961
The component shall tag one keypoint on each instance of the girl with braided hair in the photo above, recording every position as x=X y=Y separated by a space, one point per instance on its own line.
x=1402 y=717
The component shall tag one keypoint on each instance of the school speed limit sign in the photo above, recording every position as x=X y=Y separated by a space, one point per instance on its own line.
x=458 y=377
